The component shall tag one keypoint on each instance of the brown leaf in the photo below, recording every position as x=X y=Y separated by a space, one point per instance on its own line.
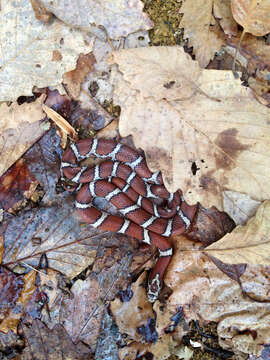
x=82 y=314
x=11 y=287
x=162 y=349
x=255 y=52
x=11 y=320
x=20 y=128
x=53 y=344
x=210 y=225
x=206 y=293
x=222 y=11
x=253 y=15
x=133 y=315
x=248 y=244
x=74 y=78
x=197 y=22
x=16 y=186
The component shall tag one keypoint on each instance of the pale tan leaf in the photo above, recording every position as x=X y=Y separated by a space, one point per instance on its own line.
x=222 y=11
x=139 y=65
x=20 y=128
x=239 y=206
x=214 y=139
x=118 y=17
x=253 y=15
x=246 y=244
x=197 y=22
x=35 y=54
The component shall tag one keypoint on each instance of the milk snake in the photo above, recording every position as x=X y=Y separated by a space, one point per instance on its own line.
x=150 y=213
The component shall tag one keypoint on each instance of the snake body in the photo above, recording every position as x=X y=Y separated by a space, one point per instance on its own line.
x=149 y=212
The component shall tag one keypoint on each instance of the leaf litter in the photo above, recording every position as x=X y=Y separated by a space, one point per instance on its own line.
x=228 y=291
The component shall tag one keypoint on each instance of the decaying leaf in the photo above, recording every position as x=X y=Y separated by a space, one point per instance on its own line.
x=12 y=318
x=36 y=54
x=74 y=78
x=198 y=23
x=119 y=18
x=52 y=344
x=206 y=293
x=135 y=314
x=52 y=231
x=82 y=315
x=16 y=186
x=213 y=139
x=253 y=15
x=248 y=244
x=255 y=52
x=19 y=128
x=222 y=11
x=162 y=349
x=2 y=247
x=40 y=12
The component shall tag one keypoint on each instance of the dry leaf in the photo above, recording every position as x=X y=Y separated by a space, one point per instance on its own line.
x=222 y=11
x=35 y=53
x=220 y=298
x=53 y=344
x=248 y=244
x=54 y=231
x=239 y=206
x=40 y=12
x=197 y=22
x=82 y=315
x=119 y=18
x=135 y=313
x=16 y=186
x=2 y=248
x=255 y=52
x=160 y=350
x=253 y=15
x=11 y=321
x=213 y=139
x=74 y=78
x=19 y=128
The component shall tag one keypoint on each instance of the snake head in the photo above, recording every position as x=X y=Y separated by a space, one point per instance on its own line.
x=154 y=287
